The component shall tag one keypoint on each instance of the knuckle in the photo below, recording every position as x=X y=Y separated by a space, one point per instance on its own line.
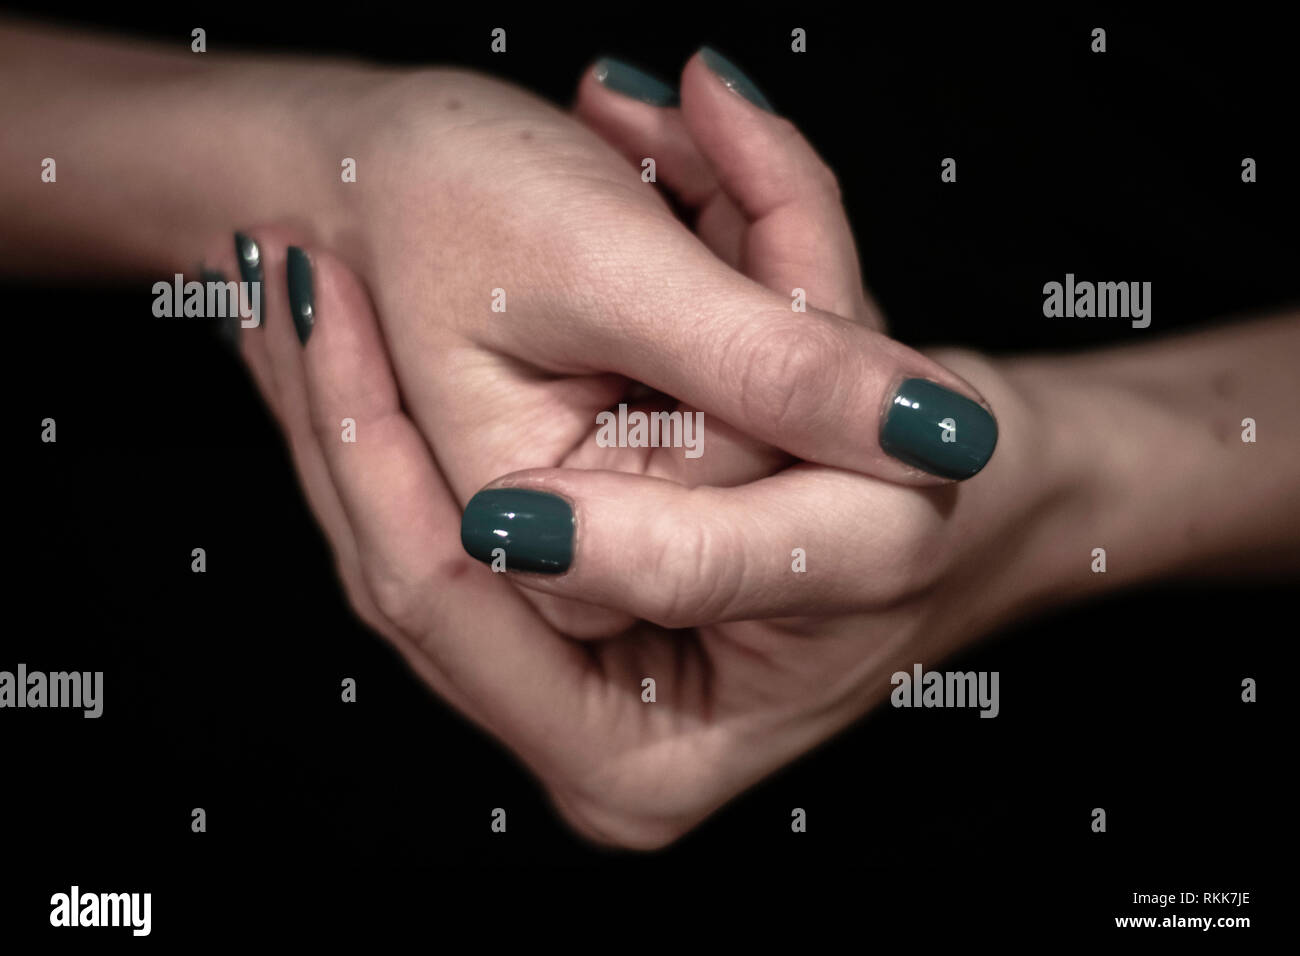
x=614 y=828
x=366 y=611
x=358 y=595
x=790 y=373
x=828 y=182
x=325 y=431
x=694 y=566
x=920 y=550
x=628 y=801
x=822 y=177
x=393 y=595
x=924 y=555
x=410 y=596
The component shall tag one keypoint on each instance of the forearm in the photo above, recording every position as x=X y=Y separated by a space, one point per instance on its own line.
x=1151 y=439
x=155 y=148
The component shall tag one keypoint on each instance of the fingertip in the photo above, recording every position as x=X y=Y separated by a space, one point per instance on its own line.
x=630 y=82
x=302 y=305
x=218 y=265
x=723 y=69
x=348 y=369
x=941 y=432
x=336 y=291
x=710 y=73
x=519 y=529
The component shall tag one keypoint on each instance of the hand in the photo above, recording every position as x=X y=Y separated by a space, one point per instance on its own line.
x=465 y=186
x=605 y=289
x=916 y=572
x=1094 y=446
x=917 y=566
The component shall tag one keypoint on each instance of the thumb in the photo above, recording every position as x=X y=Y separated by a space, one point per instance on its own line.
x=686 y=557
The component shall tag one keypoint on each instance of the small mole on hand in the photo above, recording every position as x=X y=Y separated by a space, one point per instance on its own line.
x=453 y=104
x=526 y=135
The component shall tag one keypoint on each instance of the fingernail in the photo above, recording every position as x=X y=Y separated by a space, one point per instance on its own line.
x=532 y=529
x=733 y=78
x=250 y=270
x=227 y=325
x=626 y=79
x=301 y=304
x=938 y=431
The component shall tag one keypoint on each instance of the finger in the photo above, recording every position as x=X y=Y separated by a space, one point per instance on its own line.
x=808 y=541
x=793 y=231
x=733 y=458
x=631 y=110
x=282 y=381
x=285 y=393
x=819 y=387
x=798 y=235
x=525 y=678
x=282 y=385
x=634 y=112
x=268 y=329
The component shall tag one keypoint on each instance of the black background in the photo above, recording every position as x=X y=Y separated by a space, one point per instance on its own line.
x=222 y=689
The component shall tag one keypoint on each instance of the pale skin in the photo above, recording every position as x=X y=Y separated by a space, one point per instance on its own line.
x=466 y=185
x=1136 y=450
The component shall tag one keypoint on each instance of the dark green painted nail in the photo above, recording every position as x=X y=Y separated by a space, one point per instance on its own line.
x=627 y=79
x=301 y=296
x=733 y=78
x=533 y=528
x=250 y=270
x=227 y=325
x=932 y=428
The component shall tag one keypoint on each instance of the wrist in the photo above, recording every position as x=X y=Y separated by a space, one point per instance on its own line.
x=1122 y=466
x=291 y=148
x=158 y=150
x=1018 y=530
x=1132 y=464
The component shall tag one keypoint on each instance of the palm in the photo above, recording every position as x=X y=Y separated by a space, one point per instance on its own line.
x=732 y=702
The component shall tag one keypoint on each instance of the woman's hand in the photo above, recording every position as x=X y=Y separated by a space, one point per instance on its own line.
x=482 y=196
x=888 y=576
x=918 y=566
x=489 y=193
x=465 y=186
x=525 y=273
x=526 y=277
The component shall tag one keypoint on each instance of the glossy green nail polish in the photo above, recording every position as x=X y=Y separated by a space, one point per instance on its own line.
x=249 y=258
x=733 y=78
x=626 y=79
x=533 y=528
x=228 y=325
x=936 y=430
x=301 y=296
